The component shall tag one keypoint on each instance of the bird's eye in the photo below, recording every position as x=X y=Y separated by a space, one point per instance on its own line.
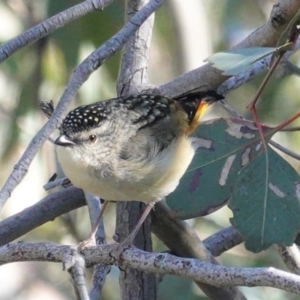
x=92 y=138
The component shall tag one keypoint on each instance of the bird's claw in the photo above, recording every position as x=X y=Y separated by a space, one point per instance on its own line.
x=117 y=251
x=86 y=243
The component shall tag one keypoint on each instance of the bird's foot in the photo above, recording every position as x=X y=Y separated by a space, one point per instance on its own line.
x=86 y=243
x=119 y=248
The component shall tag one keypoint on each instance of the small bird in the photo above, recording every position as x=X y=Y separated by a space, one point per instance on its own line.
x=131 y=148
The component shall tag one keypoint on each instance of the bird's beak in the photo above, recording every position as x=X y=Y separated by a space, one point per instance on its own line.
x=64 y=141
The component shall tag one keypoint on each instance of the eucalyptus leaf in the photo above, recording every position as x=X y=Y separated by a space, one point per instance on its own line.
x=238 y=61
x=266 y=205
x=225 y=146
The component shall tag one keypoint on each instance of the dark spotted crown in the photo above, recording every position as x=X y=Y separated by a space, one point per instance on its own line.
x=86 y=117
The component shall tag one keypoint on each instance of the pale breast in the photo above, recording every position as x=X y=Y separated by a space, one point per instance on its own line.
x=145 y=183
x=168 y=168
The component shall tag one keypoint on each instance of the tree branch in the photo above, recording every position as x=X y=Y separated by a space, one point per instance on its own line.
x=77 y=275
x=162 y=263
x=46 y=27
x=223 y=240
x=44 y=211
x=290 y=256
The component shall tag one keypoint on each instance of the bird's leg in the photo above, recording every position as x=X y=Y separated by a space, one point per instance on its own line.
x=129 y=240
x=116 y=253
x=91 y=240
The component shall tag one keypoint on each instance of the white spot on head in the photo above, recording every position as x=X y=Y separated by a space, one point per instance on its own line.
x=151 y=118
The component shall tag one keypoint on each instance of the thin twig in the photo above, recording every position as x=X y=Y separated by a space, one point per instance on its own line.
x=223 y=240
x=290 y=256
x=291 y=129
x=283 y=149
x=98 y=279
x=77 y=275
x=46 y=27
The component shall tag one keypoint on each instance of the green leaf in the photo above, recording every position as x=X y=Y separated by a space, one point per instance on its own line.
x=225 y=146
x=238 y=61
x=267 y=215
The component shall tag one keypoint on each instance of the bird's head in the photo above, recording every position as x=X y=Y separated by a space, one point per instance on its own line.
x=88 y=130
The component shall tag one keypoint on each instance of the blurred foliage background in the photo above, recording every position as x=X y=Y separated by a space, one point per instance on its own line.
x=185 y=33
